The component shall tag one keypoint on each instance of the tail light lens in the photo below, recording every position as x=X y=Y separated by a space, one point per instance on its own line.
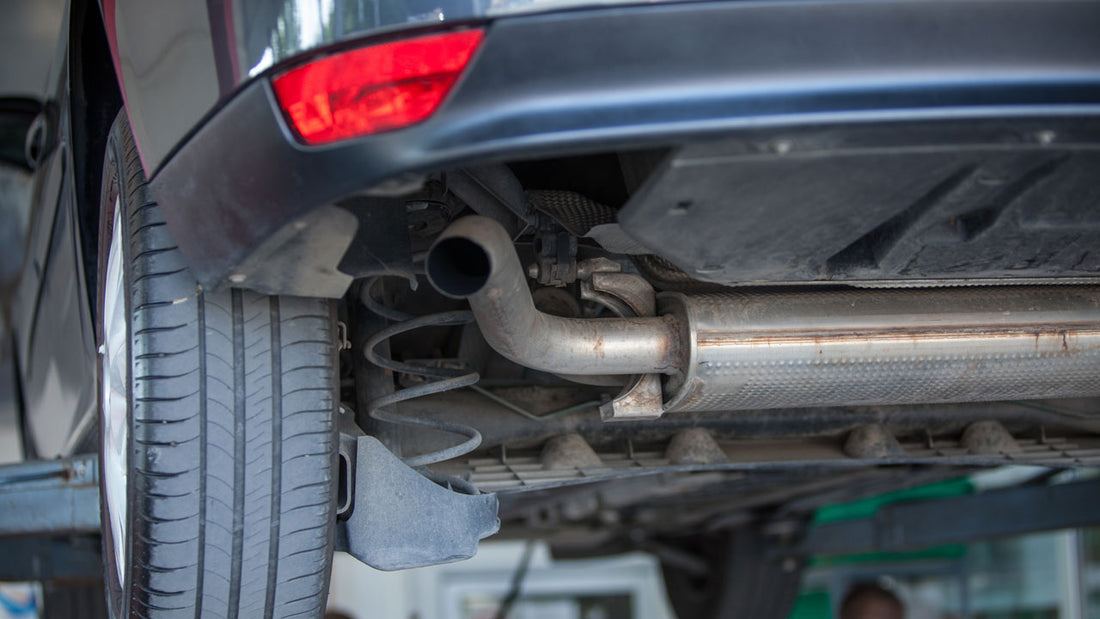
x=373 y=89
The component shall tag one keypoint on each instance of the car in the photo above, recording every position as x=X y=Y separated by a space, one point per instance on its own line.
x=388 y=277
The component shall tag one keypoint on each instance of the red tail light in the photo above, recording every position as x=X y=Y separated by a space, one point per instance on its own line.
x=373 y=89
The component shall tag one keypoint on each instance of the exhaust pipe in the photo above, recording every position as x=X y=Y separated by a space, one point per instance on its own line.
x=474 y=259
x=737 y=351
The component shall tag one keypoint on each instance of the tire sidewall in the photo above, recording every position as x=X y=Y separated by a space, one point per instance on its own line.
x=113 y=188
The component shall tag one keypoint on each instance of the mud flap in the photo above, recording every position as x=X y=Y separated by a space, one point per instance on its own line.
x=401 y=519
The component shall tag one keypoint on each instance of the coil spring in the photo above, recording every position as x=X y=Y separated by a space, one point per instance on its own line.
x=446 y=379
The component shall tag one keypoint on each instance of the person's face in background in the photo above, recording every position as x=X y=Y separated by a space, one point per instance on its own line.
x=871 y=602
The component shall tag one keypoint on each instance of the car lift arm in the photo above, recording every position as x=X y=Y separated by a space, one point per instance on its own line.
x=49 y=519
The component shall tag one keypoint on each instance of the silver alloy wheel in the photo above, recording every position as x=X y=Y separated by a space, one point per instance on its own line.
x=116 y=378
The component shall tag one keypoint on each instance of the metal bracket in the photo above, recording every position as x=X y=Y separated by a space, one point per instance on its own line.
x=642 y=399
x=556 y=262
x=628 y=295
x=401 y=519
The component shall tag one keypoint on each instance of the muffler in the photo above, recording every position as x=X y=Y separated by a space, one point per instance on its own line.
x=739 y=351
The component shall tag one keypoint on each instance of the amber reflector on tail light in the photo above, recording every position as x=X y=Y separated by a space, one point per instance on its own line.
x=373 y=89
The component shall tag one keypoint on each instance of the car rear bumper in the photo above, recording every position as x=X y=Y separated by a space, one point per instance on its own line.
x=242 y=194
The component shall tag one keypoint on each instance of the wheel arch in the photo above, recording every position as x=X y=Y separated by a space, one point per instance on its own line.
x=94 y=101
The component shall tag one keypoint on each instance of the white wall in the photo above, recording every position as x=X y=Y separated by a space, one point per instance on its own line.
x=439 y=592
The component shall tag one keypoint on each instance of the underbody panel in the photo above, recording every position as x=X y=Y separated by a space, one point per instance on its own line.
x=906 y=202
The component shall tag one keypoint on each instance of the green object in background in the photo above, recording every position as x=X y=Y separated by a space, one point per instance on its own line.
x=866 y=508
x=950 y=552
x=815 y=604
x=812 y=605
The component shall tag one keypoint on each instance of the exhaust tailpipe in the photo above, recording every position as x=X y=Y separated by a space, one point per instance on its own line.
x=735 y=351
x=474 y=259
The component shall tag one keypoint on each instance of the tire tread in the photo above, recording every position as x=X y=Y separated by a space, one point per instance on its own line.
x=237 y=518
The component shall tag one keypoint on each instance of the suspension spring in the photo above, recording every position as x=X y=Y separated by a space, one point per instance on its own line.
x=442 y=379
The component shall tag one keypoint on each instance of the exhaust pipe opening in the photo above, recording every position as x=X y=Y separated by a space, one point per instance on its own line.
x=458 y=267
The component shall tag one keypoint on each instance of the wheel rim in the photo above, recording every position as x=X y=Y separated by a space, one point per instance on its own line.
x=116 y=377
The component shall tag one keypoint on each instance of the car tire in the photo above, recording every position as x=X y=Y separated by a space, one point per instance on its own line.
x=218 y=447
x=743 y=579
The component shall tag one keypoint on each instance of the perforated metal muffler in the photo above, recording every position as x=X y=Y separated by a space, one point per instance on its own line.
x=872 y=347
